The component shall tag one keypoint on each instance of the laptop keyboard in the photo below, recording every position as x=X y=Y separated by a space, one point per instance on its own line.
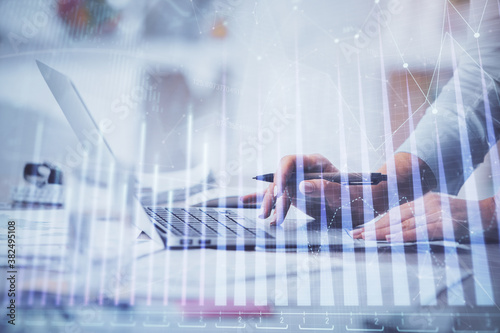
x=203 y=223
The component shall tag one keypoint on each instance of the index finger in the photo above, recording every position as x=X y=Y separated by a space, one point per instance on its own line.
x=286 y=167
x=253 y=198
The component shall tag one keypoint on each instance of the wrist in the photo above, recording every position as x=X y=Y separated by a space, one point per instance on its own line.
x=489 y=212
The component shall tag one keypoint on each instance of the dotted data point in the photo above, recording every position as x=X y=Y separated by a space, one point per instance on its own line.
x=405 y=65
x=477 y=34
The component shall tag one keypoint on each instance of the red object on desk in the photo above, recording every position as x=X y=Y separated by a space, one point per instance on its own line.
x=192 y=309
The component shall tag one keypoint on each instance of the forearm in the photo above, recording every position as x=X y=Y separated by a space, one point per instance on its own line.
x=490 y=209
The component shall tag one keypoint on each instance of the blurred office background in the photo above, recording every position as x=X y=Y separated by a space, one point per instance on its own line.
x=223 y=86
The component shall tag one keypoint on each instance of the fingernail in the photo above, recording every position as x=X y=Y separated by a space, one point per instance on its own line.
x=306 y=187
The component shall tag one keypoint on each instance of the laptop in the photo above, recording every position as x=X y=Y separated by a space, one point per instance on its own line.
x=195 y=227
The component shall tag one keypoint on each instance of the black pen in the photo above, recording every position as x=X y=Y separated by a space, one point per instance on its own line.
x=336 y=177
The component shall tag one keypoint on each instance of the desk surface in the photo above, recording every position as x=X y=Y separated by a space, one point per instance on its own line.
x=385 y=287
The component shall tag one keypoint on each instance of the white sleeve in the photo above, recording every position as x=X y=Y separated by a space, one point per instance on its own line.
x=464 y=137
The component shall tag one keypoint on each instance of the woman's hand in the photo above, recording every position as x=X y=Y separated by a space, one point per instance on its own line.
x=428 y=217
x=311 y=195
x=317 y=197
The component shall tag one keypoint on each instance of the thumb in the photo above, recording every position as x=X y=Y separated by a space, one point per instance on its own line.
x=314 y=188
